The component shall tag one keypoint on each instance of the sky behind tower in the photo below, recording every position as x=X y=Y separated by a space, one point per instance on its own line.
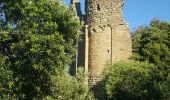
x=141 y=12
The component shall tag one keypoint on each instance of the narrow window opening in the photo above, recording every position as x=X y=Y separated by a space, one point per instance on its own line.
x=94 y=30
x=98 y=7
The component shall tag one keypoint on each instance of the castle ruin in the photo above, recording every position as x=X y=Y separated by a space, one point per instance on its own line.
x=106 y=37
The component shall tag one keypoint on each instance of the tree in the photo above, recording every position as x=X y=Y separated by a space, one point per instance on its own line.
x=152 y=44
x=38 y=41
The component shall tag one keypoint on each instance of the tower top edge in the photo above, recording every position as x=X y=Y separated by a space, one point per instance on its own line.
x=74 y=1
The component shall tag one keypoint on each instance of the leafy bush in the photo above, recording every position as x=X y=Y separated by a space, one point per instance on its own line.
x=66 y=87
x=131 y=81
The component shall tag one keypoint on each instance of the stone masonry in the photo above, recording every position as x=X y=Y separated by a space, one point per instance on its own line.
x=106 y=39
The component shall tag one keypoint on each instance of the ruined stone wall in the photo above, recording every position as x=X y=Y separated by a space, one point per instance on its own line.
x=76 y=7
x=109 y=38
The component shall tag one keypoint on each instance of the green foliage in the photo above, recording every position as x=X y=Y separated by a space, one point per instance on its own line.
x=37 y=41
x=130 y=81
x=152 y=44
x=71 y=88
x=6 y=83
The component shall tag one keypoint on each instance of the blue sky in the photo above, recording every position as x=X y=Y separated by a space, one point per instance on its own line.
x=141 y=12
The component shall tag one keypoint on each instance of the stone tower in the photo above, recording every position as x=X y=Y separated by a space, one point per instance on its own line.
x=106 y=36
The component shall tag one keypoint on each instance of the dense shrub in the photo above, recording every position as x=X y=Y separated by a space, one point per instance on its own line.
x=131 y=81
x=66 y=87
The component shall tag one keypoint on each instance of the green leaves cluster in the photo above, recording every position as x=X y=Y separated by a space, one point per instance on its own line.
x=152 y=44
x=129 y=80
x=71 y=87
x=37 y=42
